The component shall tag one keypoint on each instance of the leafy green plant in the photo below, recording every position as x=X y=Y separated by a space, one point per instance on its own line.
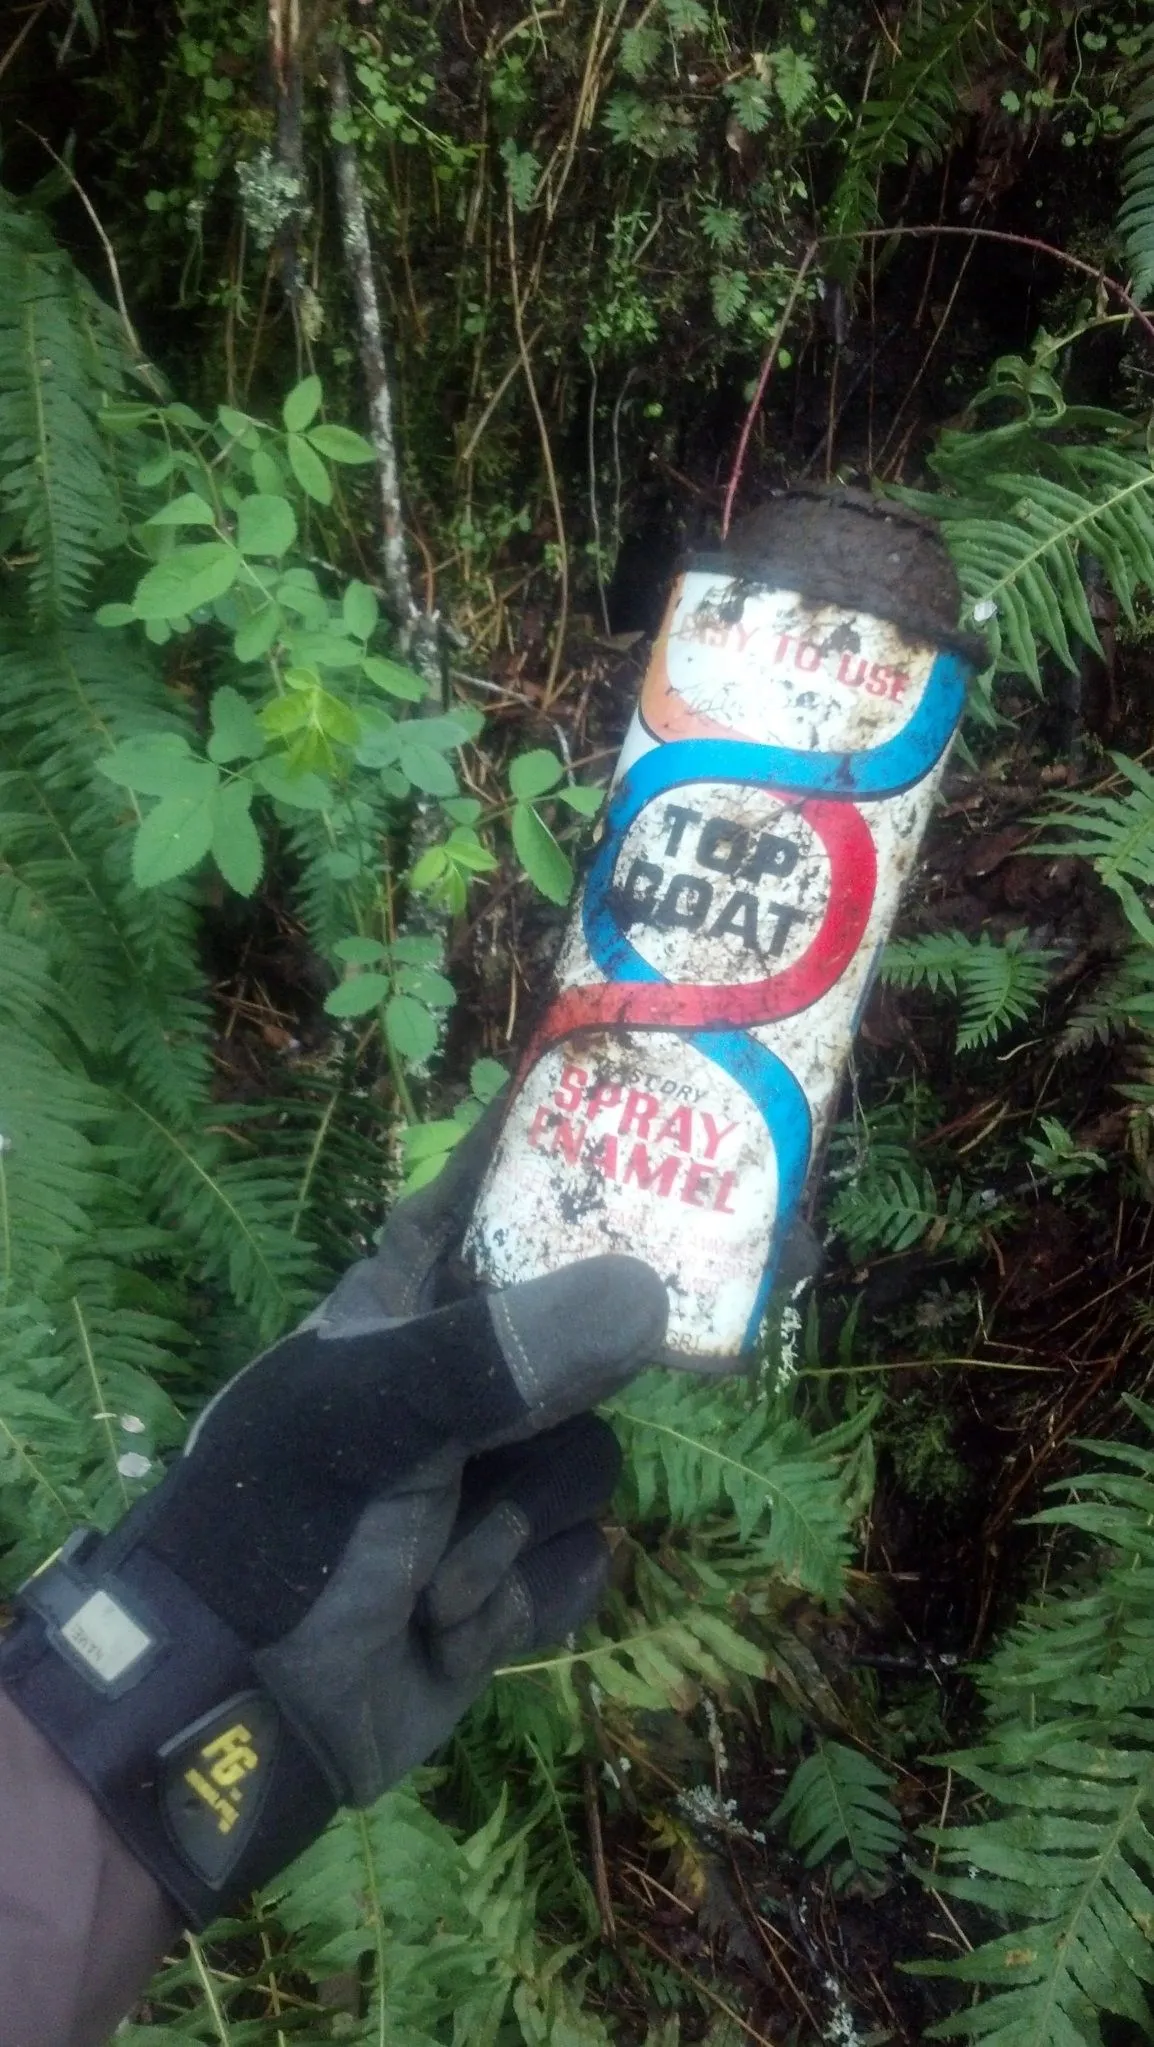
x=1063 y=1859
x=998 y=985
x=532 y=777
x=1027 y=499
x=837 y=1803
x=1136 y=216
x=894 y=1210
x=1059 y=1157
x=1116 y=833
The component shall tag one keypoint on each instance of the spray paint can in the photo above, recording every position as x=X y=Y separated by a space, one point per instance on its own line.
x=767 y=805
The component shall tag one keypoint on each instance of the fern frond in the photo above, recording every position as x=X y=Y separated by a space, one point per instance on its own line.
x=998 y=985
x=896 y=1209
x=1136 y=215
x=1066 y=1858
x=697 y=1448
x=1018 y=539
x=61 y=356
x=1115 y=833
x=450 y=1926
x=126 y=957
x=1121 y=1001
x=838 y=1801
x=915 y=106
x=234 y=1216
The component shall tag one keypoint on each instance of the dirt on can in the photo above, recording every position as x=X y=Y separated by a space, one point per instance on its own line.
x=766 y=808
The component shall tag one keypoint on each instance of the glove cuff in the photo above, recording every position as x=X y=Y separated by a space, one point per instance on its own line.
x=158 y=1707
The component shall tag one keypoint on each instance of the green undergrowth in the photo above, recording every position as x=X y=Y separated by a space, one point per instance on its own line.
x=207 y=713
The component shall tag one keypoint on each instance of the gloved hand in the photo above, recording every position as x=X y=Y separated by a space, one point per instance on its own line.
x=364 y=1523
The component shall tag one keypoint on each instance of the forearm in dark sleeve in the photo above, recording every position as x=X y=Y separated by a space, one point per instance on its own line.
x=82 y=1925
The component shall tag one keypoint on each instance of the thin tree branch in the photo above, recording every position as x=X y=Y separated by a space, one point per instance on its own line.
x=359 y=257
x=142 y=364
x=546 y=456
x=996 y=234
x=15 y=46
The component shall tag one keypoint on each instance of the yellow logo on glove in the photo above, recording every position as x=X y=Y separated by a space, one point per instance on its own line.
x=228 y=1759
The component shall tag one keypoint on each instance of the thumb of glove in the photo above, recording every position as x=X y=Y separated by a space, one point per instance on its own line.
x=577 y=1336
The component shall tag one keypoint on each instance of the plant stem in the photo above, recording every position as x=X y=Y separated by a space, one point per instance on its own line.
x=359 y=257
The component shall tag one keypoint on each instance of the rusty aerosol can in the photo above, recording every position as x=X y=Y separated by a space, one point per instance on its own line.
x=768 y=802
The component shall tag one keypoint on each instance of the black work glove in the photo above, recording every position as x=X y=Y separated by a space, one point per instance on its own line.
x=368 y=1520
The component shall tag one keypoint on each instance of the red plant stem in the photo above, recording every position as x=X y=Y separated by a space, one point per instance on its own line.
x=882 y=234
x=763 y=379
x=995 y=234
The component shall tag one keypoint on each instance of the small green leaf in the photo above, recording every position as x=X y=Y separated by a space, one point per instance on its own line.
x=435 y=990
x=531 y=774
x=411 y=1030
x=190 y=509
x=431 y=868
x=265 y=525
x=415 y=950
x=180 y=414
x=585 y=801
x=237 y=733
x=236 y=845
x=267 y=473
x=465 y=850
x=237 y=424
x=546 y=865
x=355 y=996
x=427 y=1140
x=325 y=650
x=115 y=614
x=486 y=1078
x=256 y=635
x=157 y=764
x=299 y=788
x=176 y=834
x=448 y=729
x=309 y=470
x=462 y=809
x=185 y=580
x=157 y=470
x=336 y=719
x=299 y=592
x=341 y=444
x=360 y=611
x=397 y=681
x=302 y=405
x=356 y=951
x=427 y=769
x=286 y=715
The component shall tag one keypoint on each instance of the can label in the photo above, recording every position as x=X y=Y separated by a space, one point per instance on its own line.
x=766 y=808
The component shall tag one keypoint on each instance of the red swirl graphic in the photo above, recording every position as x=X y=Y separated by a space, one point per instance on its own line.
x=849 y=844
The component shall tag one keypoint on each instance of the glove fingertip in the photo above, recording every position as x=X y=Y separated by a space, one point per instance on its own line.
x=576 y=1336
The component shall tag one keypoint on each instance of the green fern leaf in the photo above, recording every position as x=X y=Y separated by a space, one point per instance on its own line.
x=1018 y=537
x=998 y=985
x=1066 y=1856
x=838 y=1800
x=1136 y=216
x=1116 y=833
x=698 y=1447
x=61 y=357
x=914 y=108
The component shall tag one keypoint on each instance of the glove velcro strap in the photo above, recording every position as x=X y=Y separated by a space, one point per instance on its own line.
x=156 y=1704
